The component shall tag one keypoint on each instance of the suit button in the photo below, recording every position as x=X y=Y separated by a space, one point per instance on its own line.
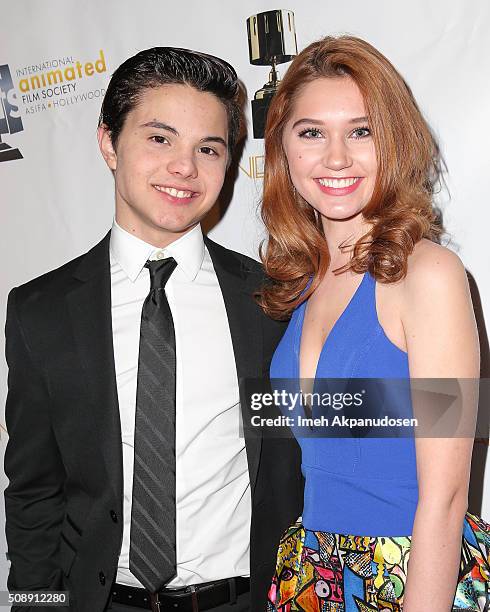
x=101 y=578
x=113 y=516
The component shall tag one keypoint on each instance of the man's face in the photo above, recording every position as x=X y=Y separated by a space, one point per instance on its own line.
x=169 y=162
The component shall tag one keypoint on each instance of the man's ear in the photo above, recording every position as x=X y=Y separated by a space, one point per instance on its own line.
x=106 y=147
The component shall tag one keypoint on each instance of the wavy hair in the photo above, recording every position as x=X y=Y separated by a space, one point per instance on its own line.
x=400 y=211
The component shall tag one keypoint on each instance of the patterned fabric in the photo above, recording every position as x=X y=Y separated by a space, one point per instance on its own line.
x=152 y=550
x=329 y=572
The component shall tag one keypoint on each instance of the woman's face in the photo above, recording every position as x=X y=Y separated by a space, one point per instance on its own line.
x=329 y=148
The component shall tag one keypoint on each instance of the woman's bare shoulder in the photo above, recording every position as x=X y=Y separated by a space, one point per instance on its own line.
x=433 y=267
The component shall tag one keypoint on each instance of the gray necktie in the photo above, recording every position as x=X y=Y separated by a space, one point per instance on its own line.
x=152 y=552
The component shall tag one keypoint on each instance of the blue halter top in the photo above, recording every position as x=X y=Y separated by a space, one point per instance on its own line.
x=357 y=486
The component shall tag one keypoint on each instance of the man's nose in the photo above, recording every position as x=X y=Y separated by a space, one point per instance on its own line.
x=183 y=163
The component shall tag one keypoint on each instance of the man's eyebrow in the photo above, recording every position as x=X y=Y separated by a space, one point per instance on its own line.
x=160 y=126
x=214 y=139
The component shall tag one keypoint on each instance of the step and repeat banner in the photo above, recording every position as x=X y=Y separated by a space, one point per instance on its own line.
x=56 y=58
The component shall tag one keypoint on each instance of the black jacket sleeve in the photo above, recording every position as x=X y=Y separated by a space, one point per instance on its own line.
x=34 y=498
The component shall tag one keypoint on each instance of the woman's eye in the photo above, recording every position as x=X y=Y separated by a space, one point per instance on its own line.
x=361 y=132
x=311 y=133
x=159 y=139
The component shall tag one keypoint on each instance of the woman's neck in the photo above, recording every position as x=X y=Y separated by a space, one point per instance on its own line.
x=343 y=233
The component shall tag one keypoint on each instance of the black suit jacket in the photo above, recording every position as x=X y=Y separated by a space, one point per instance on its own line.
x=64 y=455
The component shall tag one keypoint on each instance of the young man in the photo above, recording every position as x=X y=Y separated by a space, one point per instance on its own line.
x=130 y=486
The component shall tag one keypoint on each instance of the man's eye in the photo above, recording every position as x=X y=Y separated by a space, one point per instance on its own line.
x=159 y=139
x=310 y=133
x=361 y=132
x=208 y=151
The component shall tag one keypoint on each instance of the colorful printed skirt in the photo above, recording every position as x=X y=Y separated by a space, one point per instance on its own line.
x=328 y=572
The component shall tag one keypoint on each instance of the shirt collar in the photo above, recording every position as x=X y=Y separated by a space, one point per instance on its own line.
x=131 y=253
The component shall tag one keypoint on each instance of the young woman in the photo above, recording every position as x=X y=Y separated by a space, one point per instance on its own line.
x=353 y=258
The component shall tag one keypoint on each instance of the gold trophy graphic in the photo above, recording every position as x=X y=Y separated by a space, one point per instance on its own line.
x=271 y=41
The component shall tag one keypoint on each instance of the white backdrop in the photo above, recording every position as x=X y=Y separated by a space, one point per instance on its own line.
x=57 y=201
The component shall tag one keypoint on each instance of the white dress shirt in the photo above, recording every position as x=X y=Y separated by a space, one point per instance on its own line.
x=213 y=487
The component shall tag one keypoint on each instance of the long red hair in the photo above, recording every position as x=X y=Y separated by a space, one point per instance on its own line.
x=400 y=210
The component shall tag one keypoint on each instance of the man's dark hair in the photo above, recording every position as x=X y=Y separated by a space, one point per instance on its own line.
x=167 y=66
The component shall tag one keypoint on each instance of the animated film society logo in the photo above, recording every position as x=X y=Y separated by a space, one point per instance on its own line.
x=45 y=86
x=10 y=119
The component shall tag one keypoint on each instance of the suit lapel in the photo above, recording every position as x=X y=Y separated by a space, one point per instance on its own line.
x=237 y=287
x=89 y=305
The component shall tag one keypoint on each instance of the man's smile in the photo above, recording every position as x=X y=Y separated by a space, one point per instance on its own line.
x=176 y=194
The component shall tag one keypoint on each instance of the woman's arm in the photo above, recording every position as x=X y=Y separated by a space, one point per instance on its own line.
x=442 y=342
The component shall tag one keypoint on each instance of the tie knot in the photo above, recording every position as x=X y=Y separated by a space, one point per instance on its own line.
x=160 y=271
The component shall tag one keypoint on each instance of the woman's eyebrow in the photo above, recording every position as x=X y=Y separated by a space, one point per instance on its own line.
x=307 y=120
x=319 y=122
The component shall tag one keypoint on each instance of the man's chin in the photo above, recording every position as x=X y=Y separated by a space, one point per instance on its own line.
x=162 y=234
x=178 y=229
